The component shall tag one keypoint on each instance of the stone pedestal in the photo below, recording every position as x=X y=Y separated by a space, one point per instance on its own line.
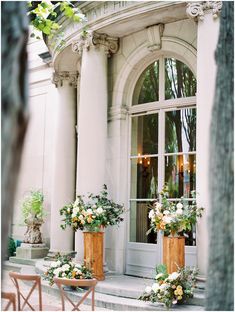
x=31 y=251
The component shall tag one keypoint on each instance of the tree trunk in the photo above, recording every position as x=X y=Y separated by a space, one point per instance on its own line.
x=14 y=103
x=220 y=285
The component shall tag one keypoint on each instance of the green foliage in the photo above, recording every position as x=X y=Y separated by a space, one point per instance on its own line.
x=32 y=205
x=43 y=16
x=11 y=247
x=99 y=211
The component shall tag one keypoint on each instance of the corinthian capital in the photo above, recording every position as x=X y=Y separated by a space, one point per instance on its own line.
x=59 y=77
x=198 y=9
x=92 y=39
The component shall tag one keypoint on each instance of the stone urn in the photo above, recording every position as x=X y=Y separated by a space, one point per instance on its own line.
x=33 y=234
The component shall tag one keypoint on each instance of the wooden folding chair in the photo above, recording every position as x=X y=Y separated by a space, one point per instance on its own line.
x=36 y=283
x=90 y=283
x=11 y=300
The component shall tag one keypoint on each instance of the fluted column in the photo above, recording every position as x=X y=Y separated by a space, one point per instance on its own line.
x=92 y=115
x=205 y=14
x=64 y=163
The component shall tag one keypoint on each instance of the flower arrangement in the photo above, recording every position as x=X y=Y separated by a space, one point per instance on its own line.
x=172 y=288
x=65 y=267
x=173 y=218
x=97 y=212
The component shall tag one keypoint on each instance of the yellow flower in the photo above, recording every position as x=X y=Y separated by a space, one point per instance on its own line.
x=180 y=292
x=73 y=274
x=162 y=226
x=89 y=219
x=74 y=219
x=179 y=297
x=176 y=292
x=179 y=287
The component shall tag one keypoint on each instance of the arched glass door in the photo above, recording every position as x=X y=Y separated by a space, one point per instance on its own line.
x=162 y=149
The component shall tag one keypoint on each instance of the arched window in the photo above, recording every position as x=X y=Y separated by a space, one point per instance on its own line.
x=163 y=140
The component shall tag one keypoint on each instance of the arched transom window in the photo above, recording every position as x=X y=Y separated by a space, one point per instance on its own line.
x=163 y=140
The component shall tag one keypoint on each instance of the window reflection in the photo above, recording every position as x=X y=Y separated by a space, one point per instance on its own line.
x=179 y=80
x=144 y=135
x=144 y=172
x=147 y=87
x=180 y=174
x=140 y=223
x=180 y=130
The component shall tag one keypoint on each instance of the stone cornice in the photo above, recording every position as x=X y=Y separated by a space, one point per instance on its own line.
x=198 y=9
x=59 y=77
x=109 y=44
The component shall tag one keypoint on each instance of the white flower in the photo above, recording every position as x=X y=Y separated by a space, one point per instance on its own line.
x=158 y=205
x=78 y=272
x=151 y=214
x=99 y=210
x=54 y=264
x=167 y=220
x=76 y=202
x=58 y=262
x=155 y=287
x=75 y=210
x=78 y=265
x=89 y=211
x=63 y=274
x=148 y=289
x=166 y=212
x=65 y=267
x=80 y=217
x=159 y=275
x=94 y=206
x=179 y=206
x=179 y=211
x=173 y=276
x=57 y=271
x=74 y=214
x=174 y=302
x=68 y=210
x=163 y=286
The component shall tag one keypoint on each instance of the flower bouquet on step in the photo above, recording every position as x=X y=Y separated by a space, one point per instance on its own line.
x=169 y=289
x=65 y=267
x=93 y=214
x=172 y=217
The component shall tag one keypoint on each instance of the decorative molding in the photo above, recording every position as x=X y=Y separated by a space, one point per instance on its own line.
x=155 y=34
x=117 y=113
x=198 y=9
x=110 y=44
x=59 y=77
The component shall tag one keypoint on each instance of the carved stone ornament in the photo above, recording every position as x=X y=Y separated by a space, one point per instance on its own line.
x=33 y=234
x=110 y=44
x=59 y=77
x=154 y=34
x=198 y=9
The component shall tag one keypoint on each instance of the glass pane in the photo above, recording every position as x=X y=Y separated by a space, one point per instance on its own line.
x=180 y=130
x=144 y=135
x=144 y=177
x=147 y=87
x=180 y=174
x=179 y=80
x=140 y=223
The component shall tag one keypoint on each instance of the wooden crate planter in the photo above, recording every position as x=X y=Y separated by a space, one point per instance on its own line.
x=173 y=252
x=93 y=253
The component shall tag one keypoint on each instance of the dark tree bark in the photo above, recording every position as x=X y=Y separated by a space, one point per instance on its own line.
x=14 y=103
x=220 y=285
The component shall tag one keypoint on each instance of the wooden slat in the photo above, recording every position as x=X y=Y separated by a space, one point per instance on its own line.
x=173 y=253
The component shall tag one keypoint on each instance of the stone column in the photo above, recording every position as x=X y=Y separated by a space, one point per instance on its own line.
x=205 y=14
x=92 y=116
x=64 y=159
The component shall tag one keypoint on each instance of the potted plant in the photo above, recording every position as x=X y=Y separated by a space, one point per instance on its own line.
x=169 y=289
x=92 y=216
x=65 y=267
x=173 y=219
x=33 y=213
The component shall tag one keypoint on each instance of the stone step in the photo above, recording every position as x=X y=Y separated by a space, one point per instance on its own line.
x=116 y=292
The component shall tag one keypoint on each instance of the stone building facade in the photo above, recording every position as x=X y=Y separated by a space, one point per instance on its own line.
x=129 y=105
